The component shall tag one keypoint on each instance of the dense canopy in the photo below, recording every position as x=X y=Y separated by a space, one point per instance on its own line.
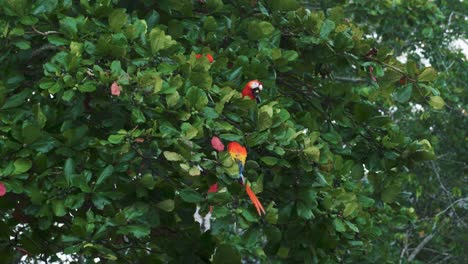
x=114 y=116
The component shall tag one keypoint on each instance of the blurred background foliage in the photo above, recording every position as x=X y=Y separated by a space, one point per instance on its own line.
x=356 y=155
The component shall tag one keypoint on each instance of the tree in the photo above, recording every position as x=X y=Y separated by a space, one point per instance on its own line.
x=107 y=116
x=437 y=188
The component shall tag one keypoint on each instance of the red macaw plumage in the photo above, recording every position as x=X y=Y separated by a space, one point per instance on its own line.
x=252 y=89
x=213 y=188
x=238 y=153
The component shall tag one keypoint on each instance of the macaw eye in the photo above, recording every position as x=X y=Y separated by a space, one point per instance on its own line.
x=254 y=85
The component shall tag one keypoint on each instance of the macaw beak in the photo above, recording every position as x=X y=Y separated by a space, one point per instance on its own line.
x=256 y=92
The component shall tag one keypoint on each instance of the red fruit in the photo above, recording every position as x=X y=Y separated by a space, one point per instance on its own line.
x=3 y=189
x=115 y=89
x=213 y=188
x=217 y=144
x=210 y=58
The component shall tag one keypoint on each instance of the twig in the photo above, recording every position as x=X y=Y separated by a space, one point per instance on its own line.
x=451 y=205
x=447 y=193
x=436 y=172
x=420 y=247
x=349 y=79
x=403 y=251
x=393 y=68
x=45 y=33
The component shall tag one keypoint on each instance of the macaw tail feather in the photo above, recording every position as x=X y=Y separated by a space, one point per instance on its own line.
x=254 y=200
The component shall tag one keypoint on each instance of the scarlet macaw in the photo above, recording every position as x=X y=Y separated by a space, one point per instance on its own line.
x=252 y=89
x=238 y=153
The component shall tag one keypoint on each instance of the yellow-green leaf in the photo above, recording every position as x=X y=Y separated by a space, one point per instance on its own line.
x=194 y=171
x=166 y=205
x=437 y=102
x=172 y=156
x=427 y=75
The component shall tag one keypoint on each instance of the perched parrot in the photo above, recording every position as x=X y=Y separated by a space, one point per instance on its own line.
x=252 y=89
x=238 y=153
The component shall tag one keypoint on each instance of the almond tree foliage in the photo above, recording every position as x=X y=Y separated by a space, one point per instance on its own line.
x=92 y=174
x=437 y=189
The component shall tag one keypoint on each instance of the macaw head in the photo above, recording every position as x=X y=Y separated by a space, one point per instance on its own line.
x=252 y=89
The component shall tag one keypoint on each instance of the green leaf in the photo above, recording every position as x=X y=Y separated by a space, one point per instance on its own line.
x=270 y=161
x=265 y=115
x=403 y=94
x=427 y=75
x=437 y=102
x=87 y=87
x=147 y=181
x=390 y=193
x=22 y=44
x=226 y=254
x=339 y=226
x=304 y=211
x=117 y=19
x=272 y=216
x=22 y=166
x=138 y=116
x=284 y=5
x=332 y=137
x=158 y=84
x=196 y=98
x=116 y=139
x=346 y=197
x=30 y=133
x=159 y=41
x=68 y=25
x=105 y=173
x=352 y=226
x=41 y=118
x=350 y=208
x=357 y=172
x=210 y=24
x=259 y=29
x=194 y=171
x=257 y=138
x=313 y=153
x=69 y=170
x=59 y=208
x=283 y=252
x=74 y=201
x=172 y=156
x=172 y=99
x=190 y=196
x=166 y=205
x=139 y=231
x=327 y=27
x=17 y=99
x=214 y=5
x=189 y=131
x=44 y=6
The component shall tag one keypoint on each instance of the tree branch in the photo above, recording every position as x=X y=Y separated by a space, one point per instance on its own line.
x=420 y=246
x=349 y=79
x=45 y=33
x=405 y=249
